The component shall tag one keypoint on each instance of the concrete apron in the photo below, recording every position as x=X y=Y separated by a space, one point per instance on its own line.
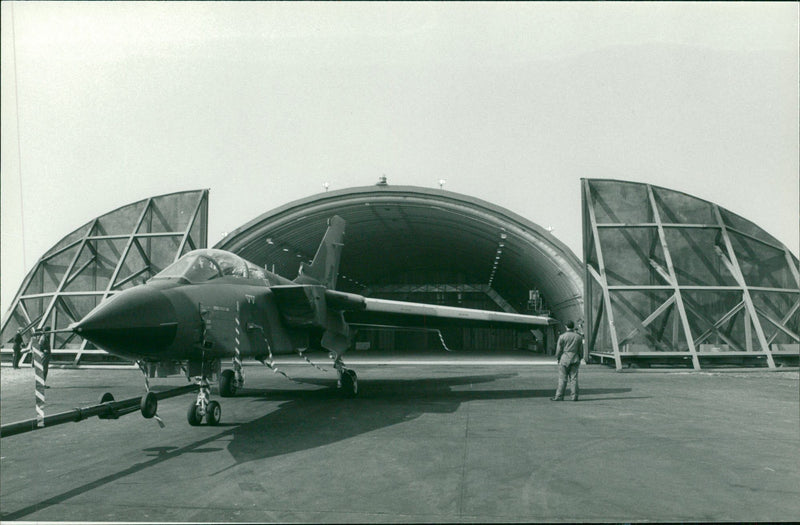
x=421 y=443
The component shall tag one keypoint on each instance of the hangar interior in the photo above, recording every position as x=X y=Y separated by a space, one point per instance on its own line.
x=427 y=245
x=669 y=278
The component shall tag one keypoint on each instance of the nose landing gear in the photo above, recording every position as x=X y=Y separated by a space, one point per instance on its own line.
x=203 y=408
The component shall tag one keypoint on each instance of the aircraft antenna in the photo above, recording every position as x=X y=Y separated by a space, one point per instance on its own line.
x=19 y=147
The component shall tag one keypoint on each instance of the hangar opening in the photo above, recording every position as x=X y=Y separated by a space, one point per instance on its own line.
x=427 y=245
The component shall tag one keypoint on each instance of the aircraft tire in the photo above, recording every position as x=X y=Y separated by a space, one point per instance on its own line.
x=107 y=397
x=349 y=383
x=192 y=414
x=149 y=405
x=213 y=413
x=227 y=384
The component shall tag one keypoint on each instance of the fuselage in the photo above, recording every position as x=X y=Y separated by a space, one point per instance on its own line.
x=194 y=313
x=211 y=304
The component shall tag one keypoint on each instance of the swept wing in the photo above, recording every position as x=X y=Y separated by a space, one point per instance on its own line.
x=401 y=313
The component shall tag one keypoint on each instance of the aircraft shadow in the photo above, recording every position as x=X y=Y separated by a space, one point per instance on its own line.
x=309 y=419
x=313 y=418
x=155 y=456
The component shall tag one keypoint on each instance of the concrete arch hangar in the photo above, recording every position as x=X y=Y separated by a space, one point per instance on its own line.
x=426 y=245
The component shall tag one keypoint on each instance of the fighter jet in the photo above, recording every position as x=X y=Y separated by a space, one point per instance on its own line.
x=212 y=306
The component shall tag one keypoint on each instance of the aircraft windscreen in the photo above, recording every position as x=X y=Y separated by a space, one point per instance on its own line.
x=203 y=265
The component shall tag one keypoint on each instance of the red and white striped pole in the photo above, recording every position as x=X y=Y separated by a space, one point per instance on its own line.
x=38 y=369
x=237 y=356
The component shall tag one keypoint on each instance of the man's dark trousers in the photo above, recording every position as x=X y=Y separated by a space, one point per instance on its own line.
x=568 y=374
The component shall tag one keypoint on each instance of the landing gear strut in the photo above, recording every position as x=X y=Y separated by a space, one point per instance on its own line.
x=149 y=404
x=203 y=407
x=348 y=380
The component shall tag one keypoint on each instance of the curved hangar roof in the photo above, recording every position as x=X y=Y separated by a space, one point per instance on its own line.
x=399 y=238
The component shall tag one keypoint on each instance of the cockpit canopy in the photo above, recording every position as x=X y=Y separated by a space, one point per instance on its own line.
x=203 y=265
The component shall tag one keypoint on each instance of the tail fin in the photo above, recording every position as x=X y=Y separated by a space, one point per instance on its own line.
x=324 y=269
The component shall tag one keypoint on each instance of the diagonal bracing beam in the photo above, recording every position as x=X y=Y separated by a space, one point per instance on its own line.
x=650 y=318
x=780 y=326
x=673 y=280
x=786 y=319
x=732 y=265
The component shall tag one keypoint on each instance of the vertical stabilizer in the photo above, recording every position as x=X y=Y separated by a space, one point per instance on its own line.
x=324 y=269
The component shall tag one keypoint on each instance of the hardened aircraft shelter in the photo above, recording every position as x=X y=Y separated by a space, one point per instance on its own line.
x=427 y=245
x=110 y=253
x=674 y=279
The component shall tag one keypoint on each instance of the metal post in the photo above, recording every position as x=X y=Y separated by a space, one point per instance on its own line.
x=602 y=274
x=736 y=271
x=38 y=369
x=128 y=244
x=674 y=279
x=587 y=278
x=237 y=356
x=189 y=226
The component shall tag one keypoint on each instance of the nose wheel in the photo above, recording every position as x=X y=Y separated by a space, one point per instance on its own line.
x=213 y=413
x=203 y=408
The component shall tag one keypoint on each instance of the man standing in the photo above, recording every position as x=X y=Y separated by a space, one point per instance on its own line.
x=568 y=355
x=18 y=342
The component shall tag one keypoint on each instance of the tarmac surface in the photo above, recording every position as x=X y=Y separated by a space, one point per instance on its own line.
x=466 y=441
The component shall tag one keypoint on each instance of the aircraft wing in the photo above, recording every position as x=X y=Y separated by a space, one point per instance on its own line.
x=401 y=313
x=306 y=305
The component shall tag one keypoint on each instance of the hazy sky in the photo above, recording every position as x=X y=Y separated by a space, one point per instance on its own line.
x=104 y=104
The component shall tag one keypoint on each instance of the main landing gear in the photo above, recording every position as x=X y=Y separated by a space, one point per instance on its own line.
x=230 y=381
x=348 y=380
x=227 y=384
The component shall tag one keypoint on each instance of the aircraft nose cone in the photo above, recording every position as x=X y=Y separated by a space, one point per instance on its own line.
x=134 y=323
